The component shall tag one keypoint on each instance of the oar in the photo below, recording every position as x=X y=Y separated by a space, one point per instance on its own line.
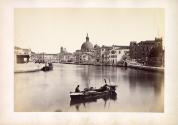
x=88 y=84
x=109 y=81
x=105 y=80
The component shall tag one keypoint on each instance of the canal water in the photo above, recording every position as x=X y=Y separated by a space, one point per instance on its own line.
x=137 y=91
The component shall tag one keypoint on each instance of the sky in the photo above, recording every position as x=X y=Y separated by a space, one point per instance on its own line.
x=47 y=29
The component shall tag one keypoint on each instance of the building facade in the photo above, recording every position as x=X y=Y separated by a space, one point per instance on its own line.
x=22 y=55
x=67 y=58
x=149 y=52
x=86 y=54
x=105 y=51
x=104 y=55
x=117 y=54
x=44 y=57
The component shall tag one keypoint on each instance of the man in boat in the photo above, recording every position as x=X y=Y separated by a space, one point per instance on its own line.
x=103 y=88
x=77 y=89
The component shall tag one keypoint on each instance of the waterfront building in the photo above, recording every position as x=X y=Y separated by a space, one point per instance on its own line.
x=112 y=55
x=86 y=54
x=67 y=58
x=62 y=57
x=22 y=55
x=63 y=50
x=77 y=55
x=97 y=55
x=87 y=46
x=149 y=52
x=44 y=57
x=117 y=54
x=87 y=58
x=51 y=58
x=105 y=54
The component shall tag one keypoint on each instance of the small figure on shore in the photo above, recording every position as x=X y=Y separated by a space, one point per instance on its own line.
x=77 y=89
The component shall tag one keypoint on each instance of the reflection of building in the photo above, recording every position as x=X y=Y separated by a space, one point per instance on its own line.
x=21 y=55
x=148 y=52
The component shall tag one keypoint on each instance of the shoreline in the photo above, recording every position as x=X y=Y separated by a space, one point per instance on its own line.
x=27 y=71
x=147 y=68
x=139 y=67
x=27 y=67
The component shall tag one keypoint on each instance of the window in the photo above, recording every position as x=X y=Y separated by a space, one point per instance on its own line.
x=113 y=52
x=113 y=56
x=102 y=55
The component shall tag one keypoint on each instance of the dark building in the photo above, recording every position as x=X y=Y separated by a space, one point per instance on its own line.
x=149 y=52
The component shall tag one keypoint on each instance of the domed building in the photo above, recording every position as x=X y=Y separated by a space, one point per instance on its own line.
x=86 y=54
x=87 y=46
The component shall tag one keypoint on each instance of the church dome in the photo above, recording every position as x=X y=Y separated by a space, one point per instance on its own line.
x=87 y=46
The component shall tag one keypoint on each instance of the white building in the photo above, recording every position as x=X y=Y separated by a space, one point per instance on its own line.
x=44 y=57
x=67 y=58
x=21 y=55
x=117 y=53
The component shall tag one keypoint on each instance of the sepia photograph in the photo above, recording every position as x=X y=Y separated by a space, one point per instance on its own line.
x=89 y=59
x=88 y=62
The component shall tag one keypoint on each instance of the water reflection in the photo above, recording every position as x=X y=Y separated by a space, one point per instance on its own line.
x=78 y=103
x=50 y=91
x=146 y=80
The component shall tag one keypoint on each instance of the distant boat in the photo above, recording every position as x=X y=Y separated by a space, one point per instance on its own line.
x=47 y=67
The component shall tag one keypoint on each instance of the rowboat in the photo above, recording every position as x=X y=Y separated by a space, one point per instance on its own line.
x=92 y=94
